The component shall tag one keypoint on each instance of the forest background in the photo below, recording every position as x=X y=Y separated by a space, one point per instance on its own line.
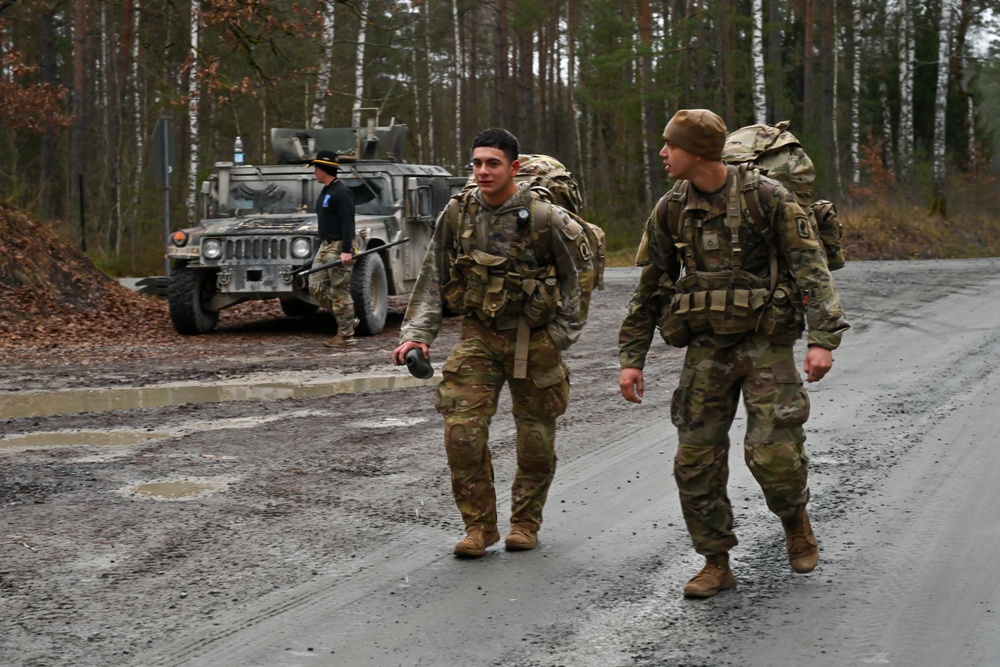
x=896 y=101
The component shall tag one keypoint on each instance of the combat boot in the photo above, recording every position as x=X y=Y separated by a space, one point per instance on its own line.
x=476 y=540
x=341 y=341
x=803 y=552
x=714 y=577
x=522 y=537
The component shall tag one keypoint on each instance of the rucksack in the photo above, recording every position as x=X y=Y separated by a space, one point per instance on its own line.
x=776 y=152
x=551 y=181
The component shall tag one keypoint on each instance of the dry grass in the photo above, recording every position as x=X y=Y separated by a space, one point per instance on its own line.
x=875 y=232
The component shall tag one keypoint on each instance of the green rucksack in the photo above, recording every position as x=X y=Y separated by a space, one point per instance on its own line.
x=776 y=152
x=551 y=181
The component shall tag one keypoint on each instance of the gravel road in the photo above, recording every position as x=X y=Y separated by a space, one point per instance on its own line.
x=209 y=502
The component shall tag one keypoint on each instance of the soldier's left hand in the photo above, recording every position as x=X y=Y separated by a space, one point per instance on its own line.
x=346 y=258
x=818 y=362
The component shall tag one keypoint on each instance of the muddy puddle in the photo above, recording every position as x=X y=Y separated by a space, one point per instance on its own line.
x=17 y=405
x=121 y=438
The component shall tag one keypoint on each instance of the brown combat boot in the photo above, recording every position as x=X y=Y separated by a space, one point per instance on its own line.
x=341 y=341
x=803 y=552
x=476 y=540
x=714 y=577
x=522 y=537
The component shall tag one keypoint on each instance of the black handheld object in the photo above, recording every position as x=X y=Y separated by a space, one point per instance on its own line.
x=419 y=365
x=305 y=271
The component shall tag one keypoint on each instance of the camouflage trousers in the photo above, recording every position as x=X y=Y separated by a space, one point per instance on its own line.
x=703 y=407
x=473 y=374
x=332 y=287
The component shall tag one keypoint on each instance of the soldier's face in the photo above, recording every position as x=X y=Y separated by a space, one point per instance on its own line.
x=321 y=176
x=678 y=162
x=494 y=174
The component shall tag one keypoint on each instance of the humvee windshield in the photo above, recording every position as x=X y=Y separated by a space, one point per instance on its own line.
x=372 y=195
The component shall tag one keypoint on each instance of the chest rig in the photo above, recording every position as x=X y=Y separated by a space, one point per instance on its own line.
x=729 y=300
x=519 y=290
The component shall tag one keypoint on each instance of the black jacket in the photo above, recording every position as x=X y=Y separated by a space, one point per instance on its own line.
x=335 y=210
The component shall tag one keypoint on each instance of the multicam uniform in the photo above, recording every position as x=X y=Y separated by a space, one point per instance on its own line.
x=497 y=274
x=739 y=339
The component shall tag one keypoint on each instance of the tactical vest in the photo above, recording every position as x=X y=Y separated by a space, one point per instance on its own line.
x=733 y=301
x=501 y=290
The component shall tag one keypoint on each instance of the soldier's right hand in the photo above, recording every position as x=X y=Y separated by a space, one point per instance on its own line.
x=630 y=384
x=399 y=354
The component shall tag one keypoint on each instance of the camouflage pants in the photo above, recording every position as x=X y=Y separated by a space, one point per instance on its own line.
x=703 y=408
x=332 y=288
x=473 y=375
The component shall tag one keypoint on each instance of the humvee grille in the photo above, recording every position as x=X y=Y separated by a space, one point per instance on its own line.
x=256 y=248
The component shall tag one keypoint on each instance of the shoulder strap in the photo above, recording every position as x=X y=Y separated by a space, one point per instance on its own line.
x=674 y=200
x=460 y=207
x=751 y=195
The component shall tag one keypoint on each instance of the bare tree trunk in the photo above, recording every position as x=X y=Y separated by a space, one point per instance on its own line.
x=831 y=73
x=808 y=68
x=887 y=152
x=962 y=22
x=137 y=129
x=856 y=49
x=757 y=55
x=81 y=28
x=46 y=207
x=906 y=64
x=571 y=19
x=776 y=80
x=939 y=203
x=431 y=143
x=500 y=86
x=359 y=65
x=649 y=129
x=457 y=75
x=193 y=101
x=325 y=65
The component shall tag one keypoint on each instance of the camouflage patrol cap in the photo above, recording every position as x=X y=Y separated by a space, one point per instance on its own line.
x=698 y=131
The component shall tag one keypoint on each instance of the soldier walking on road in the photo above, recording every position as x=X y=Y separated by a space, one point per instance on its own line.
x=736 y=293
x=335 y=213
x=509 y=263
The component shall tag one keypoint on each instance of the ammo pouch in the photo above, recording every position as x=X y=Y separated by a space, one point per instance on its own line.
x=481 y=283
x=783 y=321
x=724 y=302
x=541 y=297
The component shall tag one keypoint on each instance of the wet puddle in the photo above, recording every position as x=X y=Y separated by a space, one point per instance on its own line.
x=179 y=489
x=78 y=439
x=70 y=402
x=172 y=490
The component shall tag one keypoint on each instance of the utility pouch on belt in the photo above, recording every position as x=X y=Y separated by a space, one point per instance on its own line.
x=541 y=298
x=484 y=282
x=782 y=320
x=725 y=302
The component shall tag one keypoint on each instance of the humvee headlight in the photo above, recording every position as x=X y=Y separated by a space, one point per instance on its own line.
x=211 y=249
x=301 y=248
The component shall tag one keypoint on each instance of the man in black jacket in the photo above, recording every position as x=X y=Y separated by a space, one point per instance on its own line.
x=335 y=213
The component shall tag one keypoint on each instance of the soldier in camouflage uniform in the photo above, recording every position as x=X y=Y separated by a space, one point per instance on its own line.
x=335 y=222
x=517 y=284
x=738 y=307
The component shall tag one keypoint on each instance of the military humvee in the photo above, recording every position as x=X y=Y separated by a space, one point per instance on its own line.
x=259 y=227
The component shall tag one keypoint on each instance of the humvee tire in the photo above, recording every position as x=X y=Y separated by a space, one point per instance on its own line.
x=190 y=292
x=370 y=292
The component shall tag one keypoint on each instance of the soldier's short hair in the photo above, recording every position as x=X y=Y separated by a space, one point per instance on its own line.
x=497 y=137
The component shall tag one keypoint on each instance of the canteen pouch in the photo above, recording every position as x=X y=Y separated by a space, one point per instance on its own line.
x=782 y=320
